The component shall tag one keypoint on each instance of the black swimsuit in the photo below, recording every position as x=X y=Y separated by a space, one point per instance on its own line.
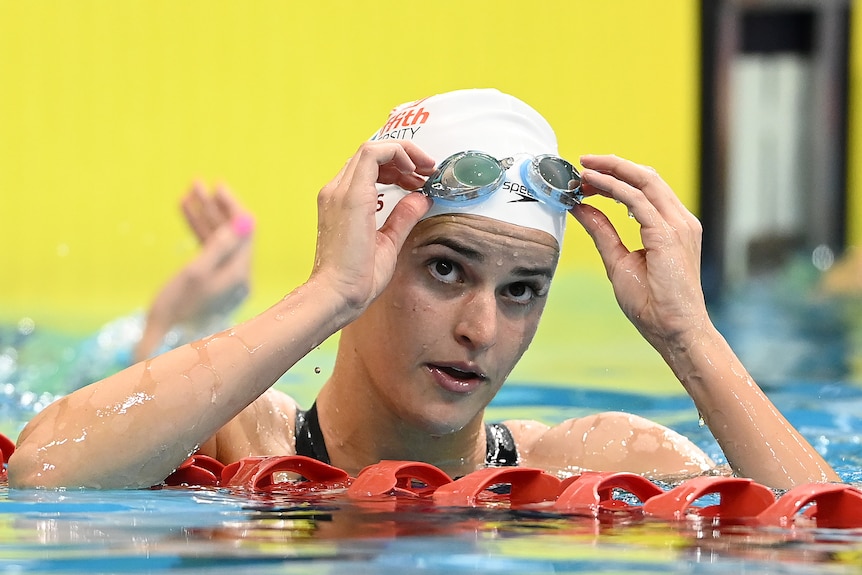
x=500 y=452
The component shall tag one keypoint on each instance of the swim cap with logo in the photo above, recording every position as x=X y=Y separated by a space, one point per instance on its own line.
x=484 y=120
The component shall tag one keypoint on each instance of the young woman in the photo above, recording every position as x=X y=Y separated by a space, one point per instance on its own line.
x=436 y=301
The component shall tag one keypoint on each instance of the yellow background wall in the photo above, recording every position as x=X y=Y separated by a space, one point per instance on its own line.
x=109 y=109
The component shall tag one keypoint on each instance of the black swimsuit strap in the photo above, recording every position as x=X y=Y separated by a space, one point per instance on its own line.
x=309 y=438
x=500 y=445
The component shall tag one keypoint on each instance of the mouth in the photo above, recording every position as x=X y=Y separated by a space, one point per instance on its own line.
x=457 y=378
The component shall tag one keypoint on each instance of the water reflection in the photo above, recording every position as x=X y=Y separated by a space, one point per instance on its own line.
x=214 y=530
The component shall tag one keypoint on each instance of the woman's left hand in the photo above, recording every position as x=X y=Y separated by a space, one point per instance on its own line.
x=658 y=286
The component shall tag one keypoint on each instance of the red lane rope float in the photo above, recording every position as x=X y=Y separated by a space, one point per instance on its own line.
x=528 y=486
x=260 y=474
x=829 y=505
x=7 y=448
x=740 y=498
x=390 y=477
x=198 y=469
x=593 y=492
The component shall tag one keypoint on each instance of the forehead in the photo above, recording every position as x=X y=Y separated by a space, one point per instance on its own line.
x=489 y=235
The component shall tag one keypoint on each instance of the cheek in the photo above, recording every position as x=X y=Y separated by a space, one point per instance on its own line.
x=422 y=320
x=417 y=299
x=520 y=330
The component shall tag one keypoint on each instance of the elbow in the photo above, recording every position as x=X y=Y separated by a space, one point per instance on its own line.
x=26 y=469
x=23 y=471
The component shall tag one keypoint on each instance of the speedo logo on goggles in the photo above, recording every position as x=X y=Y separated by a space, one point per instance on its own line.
x=470 y=176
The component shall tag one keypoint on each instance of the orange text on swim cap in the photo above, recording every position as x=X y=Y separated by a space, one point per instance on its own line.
x=403 y=124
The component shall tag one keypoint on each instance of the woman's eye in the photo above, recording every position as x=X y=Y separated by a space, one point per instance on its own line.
x=521 y=292
x=444 y=270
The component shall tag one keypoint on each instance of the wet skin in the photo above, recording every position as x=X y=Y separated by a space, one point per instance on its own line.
x=430 y=353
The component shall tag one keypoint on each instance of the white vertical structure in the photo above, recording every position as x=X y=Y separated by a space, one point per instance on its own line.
x=769 y=152
x=775 y=75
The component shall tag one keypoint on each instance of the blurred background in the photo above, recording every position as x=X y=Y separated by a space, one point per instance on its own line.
x=108 y=110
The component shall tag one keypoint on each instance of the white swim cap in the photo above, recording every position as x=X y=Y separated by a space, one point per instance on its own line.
x=484 y=120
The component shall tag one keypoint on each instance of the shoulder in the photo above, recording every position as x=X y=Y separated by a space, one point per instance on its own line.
x=265 y=427
x=612 y=441
x=525 y=432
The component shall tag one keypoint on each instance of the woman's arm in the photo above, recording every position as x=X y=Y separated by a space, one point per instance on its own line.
x=213 y=284
x=658 y=288
x=134 y=428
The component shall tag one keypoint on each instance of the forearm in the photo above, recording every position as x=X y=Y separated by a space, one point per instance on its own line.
x=756 y=438
x=133 y=428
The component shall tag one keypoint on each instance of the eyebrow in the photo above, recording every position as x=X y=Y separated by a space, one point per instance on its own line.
x=524 y=272
x=457 y=246
x=477 y=256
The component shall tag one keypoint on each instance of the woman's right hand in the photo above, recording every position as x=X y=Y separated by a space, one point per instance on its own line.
x=353 y=258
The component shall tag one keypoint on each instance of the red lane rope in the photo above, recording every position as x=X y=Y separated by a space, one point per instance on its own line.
x=821 y=505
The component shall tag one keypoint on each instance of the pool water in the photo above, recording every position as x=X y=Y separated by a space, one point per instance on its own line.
x=211 y=531
x=804 y=351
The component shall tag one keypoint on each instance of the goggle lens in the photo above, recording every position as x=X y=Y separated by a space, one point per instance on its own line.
x=553 y=180
x=558 y=172
x=475 y=170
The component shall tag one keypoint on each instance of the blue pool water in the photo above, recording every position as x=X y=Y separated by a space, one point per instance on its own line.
x=802 y=349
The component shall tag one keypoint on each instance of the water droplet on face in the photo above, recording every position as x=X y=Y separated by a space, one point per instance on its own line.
x=279 y=317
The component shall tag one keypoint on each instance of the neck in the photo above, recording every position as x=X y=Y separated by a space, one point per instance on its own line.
x=361 y=429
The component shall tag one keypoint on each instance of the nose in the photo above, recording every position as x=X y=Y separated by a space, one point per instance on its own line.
x=476 y=326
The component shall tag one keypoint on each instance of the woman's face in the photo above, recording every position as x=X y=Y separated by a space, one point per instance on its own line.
x=462 y=307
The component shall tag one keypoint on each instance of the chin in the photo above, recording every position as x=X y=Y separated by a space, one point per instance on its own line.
x=444 y=425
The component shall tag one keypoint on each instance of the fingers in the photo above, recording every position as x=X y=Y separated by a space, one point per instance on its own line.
x=404 y=216
x=666 y=226
x=391 y=162
x=398 y=162
x=192 y=206
x=227 y=204
x=604 y=235
x=206 y=212
x=639 y=187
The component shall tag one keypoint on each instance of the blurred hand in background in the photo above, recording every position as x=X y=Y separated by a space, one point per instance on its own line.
x=215 y=282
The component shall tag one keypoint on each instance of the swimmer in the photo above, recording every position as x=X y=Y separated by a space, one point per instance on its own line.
x=211 y=286
x=436 y=301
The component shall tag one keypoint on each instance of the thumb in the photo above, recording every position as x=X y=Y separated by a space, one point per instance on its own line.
x=404 y=217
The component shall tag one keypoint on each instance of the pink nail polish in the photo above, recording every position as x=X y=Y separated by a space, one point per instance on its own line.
x=243 y=225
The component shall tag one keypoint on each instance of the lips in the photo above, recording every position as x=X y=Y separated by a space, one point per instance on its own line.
x=457 y=378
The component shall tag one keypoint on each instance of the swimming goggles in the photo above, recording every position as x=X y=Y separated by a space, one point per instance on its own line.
x=470 y=176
